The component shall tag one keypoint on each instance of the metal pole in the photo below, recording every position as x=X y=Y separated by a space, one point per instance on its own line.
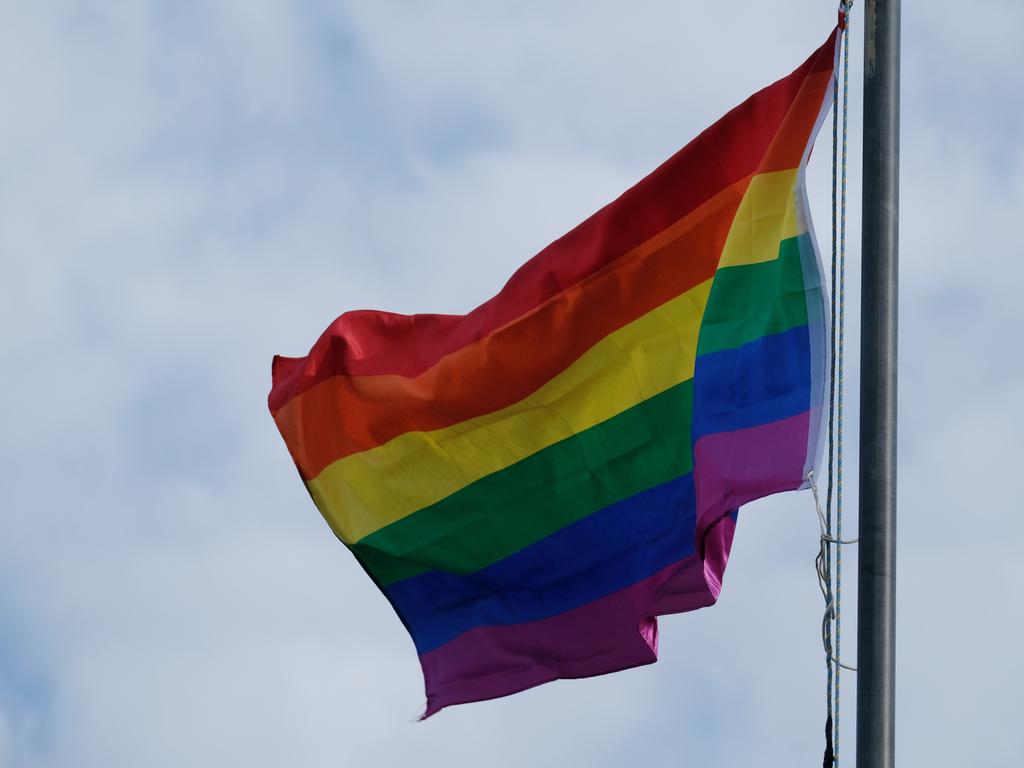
x=876 y=614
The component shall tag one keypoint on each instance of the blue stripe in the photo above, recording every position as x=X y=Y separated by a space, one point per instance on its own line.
x=593 y=557
x=764 y=381
x=760 y=382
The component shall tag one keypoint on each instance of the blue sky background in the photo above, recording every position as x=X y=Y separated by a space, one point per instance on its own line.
x=188 y=188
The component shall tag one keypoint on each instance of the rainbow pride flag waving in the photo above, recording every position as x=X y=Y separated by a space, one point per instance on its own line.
x=533 y=483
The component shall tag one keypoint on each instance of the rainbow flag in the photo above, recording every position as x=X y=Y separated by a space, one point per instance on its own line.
x=533 y=483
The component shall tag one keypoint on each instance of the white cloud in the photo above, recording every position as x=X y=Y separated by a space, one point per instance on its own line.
x=188 y=189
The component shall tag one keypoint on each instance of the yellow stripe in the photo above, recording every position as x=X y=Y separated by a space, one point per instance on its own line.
x=766 y=216
x=369 y=490
x=366 y=491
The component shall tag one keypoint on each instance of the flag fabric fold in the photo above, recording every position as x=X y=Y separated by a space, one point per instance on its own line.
x=531 y=484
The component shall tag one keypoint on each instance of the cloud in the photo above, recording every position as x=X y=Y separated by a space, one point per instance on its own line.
x=190 y=188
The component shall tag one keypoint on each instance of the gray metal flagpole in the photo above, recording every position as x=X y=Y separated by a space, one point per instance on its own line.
x=876 y=610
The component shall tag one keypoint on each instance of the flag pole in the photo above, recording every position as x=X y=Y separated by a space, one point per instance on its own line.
x=876 y=613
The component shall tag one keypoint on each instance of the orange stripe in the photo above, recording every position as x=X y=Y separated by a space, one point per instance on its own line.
x=787 y=148
x=347 y=414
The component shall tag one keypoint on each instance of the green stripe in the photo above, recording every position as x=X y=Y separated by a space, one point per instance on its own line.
x=500 y=514
x=642 y=447
x=755 y=300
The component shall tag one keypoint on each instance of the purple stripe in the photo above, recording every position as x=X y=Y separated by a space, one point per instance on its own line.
x=615 y=632
x=621 y=630
x=733 y=468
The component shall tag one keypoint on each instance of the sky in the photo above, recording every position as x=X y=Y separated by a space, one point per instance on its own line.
x=187 y=188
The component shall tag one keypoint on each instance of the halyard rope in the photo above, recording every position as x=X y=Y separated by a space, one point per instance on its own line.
x=829 y=578
x=837 y=660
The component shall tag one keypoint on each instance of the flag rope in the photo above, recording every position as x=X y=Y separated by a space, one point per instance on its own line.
x=829 y=561
x=840 y=345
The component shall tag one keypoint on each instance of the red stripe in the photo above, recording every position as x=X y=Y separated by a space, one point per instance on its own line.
x=368 y=342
